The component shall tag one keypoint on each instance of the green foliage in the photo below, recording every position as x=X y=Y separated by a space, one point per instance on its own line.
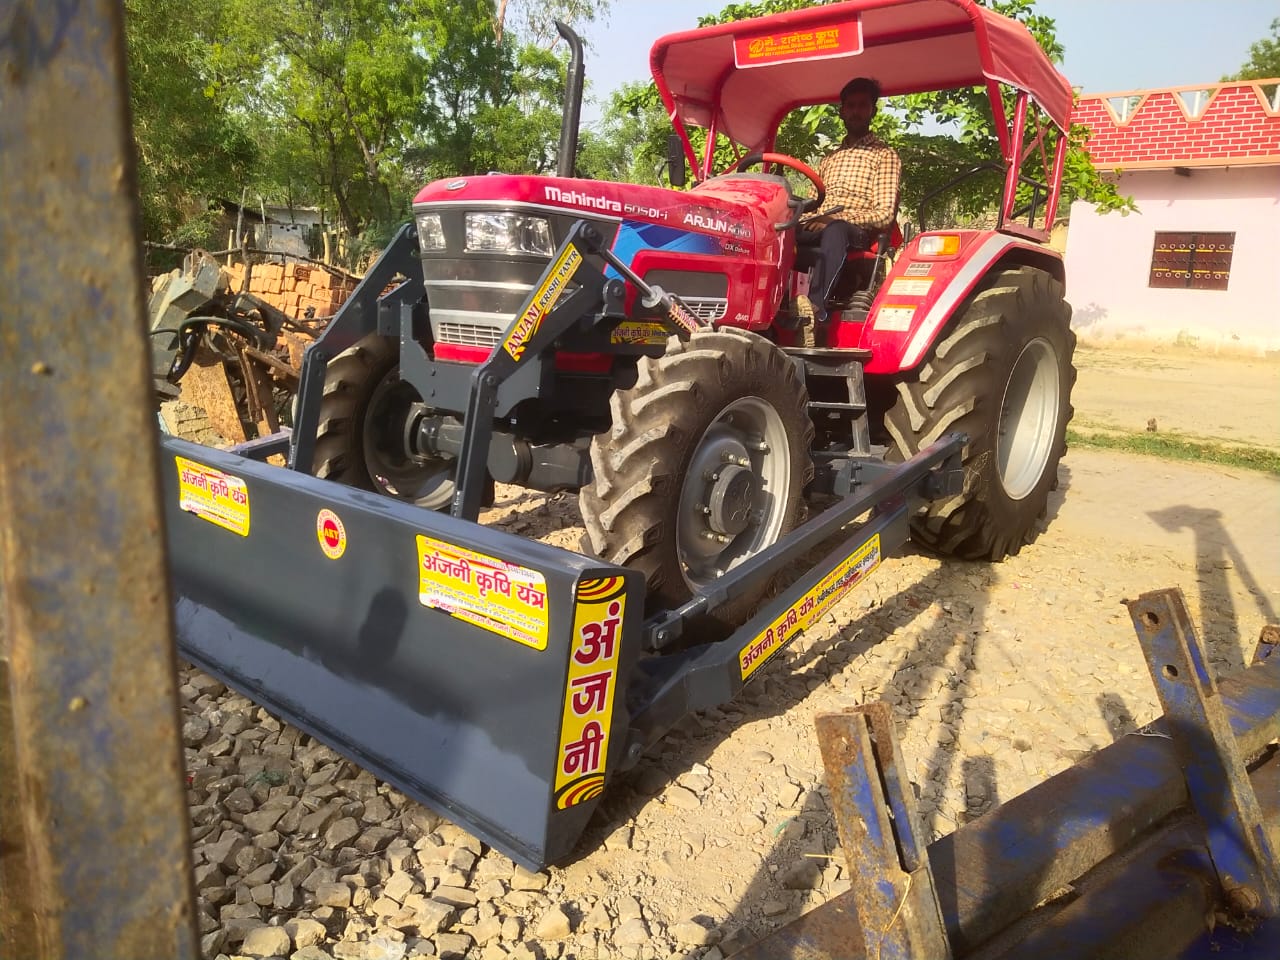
x=190 y=147
x=338 y=92
x=964 y=115
x=1264 y=58
x=351 y=107
x=754 y=8
x=523 y=125
x=533 y=21
x=630 y=144
x=1081 y=180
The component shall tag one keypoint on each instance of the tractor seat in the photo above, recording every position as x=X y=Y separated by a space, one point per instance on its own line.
x=807 y=242
x=858 y=272
x=868 y=244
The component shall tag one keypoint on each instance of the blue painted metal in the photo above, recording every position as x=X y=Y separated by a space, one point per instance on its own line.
x=1105 y=860
x=1268 y=643
x=892 y=886
x=456 y=713
x=1244 y=855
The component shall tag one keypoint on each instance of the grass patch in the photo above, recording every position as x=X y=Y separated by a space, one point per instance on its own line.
x=1172 y=446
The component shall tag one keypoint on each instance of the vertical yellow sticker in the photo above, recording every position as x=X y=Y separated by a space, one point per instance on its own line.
x=527 y=326
x=598 y=612
x=212 y=495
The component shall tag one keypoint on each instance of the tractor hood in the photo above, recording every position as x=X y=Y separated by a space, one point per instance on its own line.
x=743 y=207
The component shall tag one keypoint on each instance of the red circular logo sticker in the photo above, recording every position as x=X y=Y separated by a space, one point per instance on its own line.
x=331 y=534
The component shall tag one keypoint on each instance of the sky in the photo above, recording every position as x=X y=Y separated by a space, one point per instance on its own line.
x=1111 y=45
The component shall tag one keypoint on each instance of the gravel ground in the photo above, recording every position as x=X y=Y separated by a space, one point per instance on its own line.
x=999 y=677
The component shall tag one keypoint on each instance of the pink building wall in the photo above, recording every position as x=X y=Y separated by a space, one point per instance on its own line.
x=1195 y=160
x=1108 y=259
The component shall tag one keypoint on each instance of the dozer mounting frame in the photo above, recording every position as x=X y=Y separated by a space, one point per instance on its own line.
x=496 y=679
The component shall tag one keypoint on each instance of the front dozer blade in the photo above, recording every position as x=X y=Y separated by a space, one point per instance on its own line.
x=478 y=672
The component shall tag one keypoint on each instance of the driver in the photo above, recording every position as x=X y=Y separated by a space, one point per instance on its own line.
x=861 y=176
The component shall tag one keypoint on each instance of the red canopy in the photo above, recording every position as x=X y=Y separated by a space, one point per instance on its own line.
x=748 y=74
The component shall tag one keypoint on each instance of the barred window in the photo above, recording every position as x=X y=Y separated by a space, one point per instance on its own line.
x=1197 y=261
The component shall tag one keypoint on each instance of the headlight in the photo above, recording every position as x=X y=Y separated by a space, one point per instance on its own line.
x=939 y=245
x=430 y=232
x=509 y=233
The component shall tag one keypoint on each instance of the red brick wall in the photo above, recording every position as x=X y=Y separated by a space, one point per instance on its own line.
x=1236 y=126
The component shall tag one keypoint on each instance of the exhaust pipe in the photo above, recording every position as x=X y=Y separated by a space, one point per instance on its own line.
x=572 y=103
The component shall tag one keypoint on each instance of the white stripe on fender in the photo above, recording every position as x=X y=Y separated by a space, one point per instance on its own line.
x=988 y=252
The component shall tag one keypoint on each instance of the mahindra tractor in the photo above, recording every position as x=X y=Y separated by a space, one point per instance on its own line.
x=670 y=400
x=637 y=345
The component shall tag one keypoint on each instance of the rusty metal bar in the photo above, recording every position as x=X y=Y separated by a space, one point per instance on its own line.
x=1268 y=643
x=98 y=838
x=1217 y=782
x=875 y=814
x=1116 y=828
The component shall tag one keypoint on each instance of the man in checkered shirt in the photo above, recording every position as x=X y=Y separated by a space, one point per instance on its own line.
x=861 y=176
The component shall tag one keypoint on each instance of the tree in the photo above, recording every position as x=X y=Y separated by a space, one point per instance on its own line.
x=629 y=145
x=349 y=106
x=337 y=91
x=357 y=105
x=1264 y=58
x=533 y=20
x=190 y=147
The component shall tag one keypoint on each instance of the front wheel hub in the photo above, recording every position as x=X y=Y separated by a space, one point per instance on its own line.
x=732 y=500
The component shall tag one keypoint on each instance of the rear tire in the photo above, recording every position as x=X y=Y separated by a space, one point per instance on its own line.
x=1002 y=375
x=361 y=437
x=705 y=465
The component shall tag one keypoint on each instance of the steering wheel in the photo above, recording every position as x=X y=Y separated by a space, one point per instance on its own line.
x=802 y=205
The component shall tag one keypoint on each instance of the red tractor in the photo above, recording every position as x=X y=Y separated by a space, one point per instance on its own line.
x=634 y=344
x=668 y=397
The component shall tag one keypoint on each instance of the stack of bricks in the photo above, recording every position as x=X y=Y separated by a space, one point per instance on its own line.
x=295 y=287
x=1237 y=122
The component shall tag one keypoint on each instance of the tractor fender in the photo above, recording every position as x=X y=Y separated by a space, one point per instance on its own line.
x=921 y=293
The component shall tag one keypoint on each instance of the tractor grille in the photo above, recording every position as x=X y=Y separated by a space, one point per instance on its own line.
x=469 y=334
x=707 y=309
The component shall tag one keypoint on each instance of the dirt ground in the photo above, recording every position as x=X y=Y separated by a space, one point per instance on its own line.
x=999 y=676
x=1232 y=399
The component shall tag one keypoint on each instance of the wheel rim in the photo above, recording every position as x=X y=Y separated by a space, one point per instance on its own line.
x=734 y=496
x=392 y=468
x=1028 y=419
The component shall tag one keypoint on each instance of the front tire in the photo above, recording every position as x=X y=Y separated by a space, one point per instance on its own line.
x=704 y=466
x=364 y=415
x=1002 y=375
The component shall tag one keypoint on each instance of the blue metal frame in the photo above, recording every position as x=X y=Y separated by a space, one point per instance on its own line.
x=875 y=813
x=1244 y=856
x=1150 y=838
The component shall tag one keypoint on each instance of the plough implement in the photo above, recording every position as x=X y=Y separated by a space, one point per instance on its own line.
x=1165 y=844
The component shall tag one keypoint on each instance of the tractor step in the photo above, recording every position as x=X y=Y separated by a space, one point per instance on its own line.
x=834 y=377
x=829 y=354
x=825 y=405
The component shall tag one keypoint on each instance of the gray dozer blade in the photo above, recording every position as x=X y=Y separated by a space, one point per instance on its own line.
x=481 y=673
